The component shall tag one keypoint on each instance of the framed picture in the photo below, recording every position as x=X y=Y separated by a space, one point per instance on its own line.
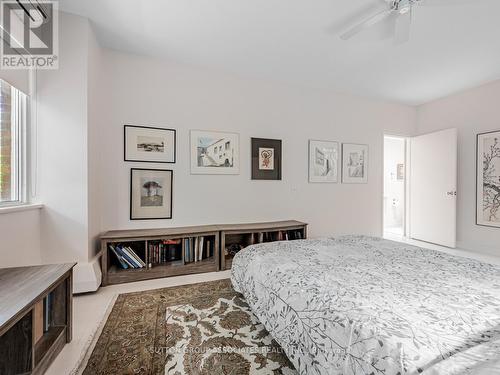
x=488 y=179
x=214 y=152
x=146 y=144
x=354 y=163
x=400 y=172
x=150 y=194
x=323 y=161
x=266 y=159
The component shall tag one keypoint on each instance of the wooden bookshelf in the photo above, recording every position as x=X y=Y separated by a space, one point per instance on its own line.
x=239 y=236
x=163 y=251
x=142 y=242
x=35 y=317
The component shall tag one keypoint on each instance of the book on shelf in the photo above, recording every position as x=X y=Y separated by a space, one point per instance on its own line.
x=127 y=256
x=202 y=240
x=47 y=307
x=134 y=258
x=261 y=237
x=163 y=251
x=120 y=259
x=195 y=249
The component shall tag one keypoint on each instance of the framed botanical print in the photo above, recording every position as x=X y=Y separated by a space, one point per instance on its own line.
x=266 y=159
x=354 y=163
x=150 y=194
x=147 y=144
x=323 y=161
x=488 y=179
x=214 y=152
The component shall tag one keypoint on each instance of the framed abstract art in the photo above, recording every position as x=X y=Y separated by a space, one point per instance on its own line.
x=266 y=159
x=354 y=163
x=323 y=161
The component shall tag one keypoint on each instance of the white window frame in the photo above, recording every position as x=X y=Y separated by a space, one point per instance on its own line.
x=20 y=119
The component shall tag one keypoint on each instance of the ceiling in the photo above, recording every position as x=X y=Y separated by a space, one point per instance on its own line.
x=452 y=48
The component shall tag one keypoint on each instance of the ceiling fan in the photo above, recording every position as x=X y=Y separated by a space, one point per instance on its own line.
x=399 y=13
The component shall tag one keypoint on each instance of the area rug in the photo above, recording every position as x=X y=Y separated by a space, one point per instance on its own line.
x=197 y=329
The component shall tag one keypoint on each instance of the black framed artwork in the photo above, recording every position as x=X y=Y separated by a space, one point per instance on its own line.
x=148 y=144
x=266 y=159
x=488 y=179
x=151 y=194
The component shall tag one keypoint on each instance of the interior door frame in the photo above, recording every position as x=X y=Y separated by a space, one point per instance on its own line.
x=407 y=162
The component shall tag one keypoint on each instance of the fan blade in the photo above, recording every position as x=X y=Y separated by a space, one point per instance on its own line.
x=373 y=20
x=403 y=27
x=445 y=3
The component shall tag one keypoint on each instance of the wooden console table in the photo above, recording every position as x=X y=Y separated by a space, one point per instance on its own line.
x=35 y=316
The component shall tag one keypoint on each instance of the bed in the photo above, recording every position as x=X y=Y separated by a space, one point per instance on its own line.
x=364 y=305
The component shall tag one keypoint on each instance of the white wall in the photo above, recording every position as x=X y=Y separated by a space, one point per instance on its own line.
x=20 y=238
x=62 y=147
x=143 y=91
x=471 y=112
x=95 y=109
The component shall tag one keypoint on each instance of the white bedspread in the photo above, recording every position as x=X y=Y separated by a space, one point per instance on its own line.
x=362 y=305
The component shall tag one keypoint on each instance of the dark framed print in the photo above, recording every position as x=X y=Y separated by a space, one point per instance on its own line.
x=266 y=159
x=488 y=179
x=150 y=194
x=147 y=144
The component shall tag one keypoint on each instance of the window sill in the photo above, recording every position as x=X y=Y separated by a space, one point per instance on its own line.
x=19 y=208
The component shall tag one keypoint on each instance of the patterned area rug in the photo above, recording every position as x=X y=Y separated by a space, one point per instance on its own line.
x=197 y=329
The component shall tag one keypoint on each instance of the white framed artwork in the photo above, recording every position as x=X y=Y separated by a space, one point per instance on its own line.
x=214 y=152
x=354 y=163
x=323 y=161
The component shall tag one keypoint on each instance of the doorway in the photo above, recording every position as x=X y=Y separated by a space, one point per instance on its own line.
x=395 y=186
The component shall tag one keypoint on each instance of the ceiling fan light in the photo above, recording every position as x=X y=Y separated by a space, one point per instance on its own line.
x=405 y=9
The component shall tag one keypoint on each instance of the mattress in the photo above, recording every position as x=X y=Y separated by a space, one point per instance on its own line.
x=364 y=305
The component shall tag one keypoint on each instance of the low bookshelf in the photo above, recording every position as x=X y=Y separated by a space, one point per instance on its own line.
x=134 y=255
x=236 y=237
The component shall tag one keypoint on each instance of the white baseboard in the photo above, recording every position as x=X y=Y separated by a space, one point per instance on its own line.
x=87 y=277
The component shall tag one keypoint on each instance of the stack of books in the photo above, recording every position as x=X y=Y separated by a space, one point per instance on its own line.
x=197 y=248
x=164 y=251
x=127 y=258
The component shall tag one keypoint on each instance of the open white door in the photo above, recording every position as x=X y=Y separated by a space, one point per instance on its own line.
x=433 y=188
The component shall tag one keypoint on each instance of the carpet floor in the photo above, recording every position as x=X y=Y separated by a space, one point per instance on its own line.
x=202 y=329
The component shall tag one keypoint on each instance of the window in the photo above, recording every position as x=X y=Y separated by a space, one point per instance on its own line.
x=13 y=115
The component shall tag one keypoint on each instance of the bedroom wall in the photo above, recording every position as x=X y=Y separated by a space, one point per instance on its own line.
x=145 y=91
x=20 y=238
x=62 y=147
x=471 y=112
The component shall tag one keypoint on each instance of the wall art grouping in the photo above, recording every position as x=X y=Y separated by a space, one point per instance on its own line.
x=488 y=179
x=214 y=152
